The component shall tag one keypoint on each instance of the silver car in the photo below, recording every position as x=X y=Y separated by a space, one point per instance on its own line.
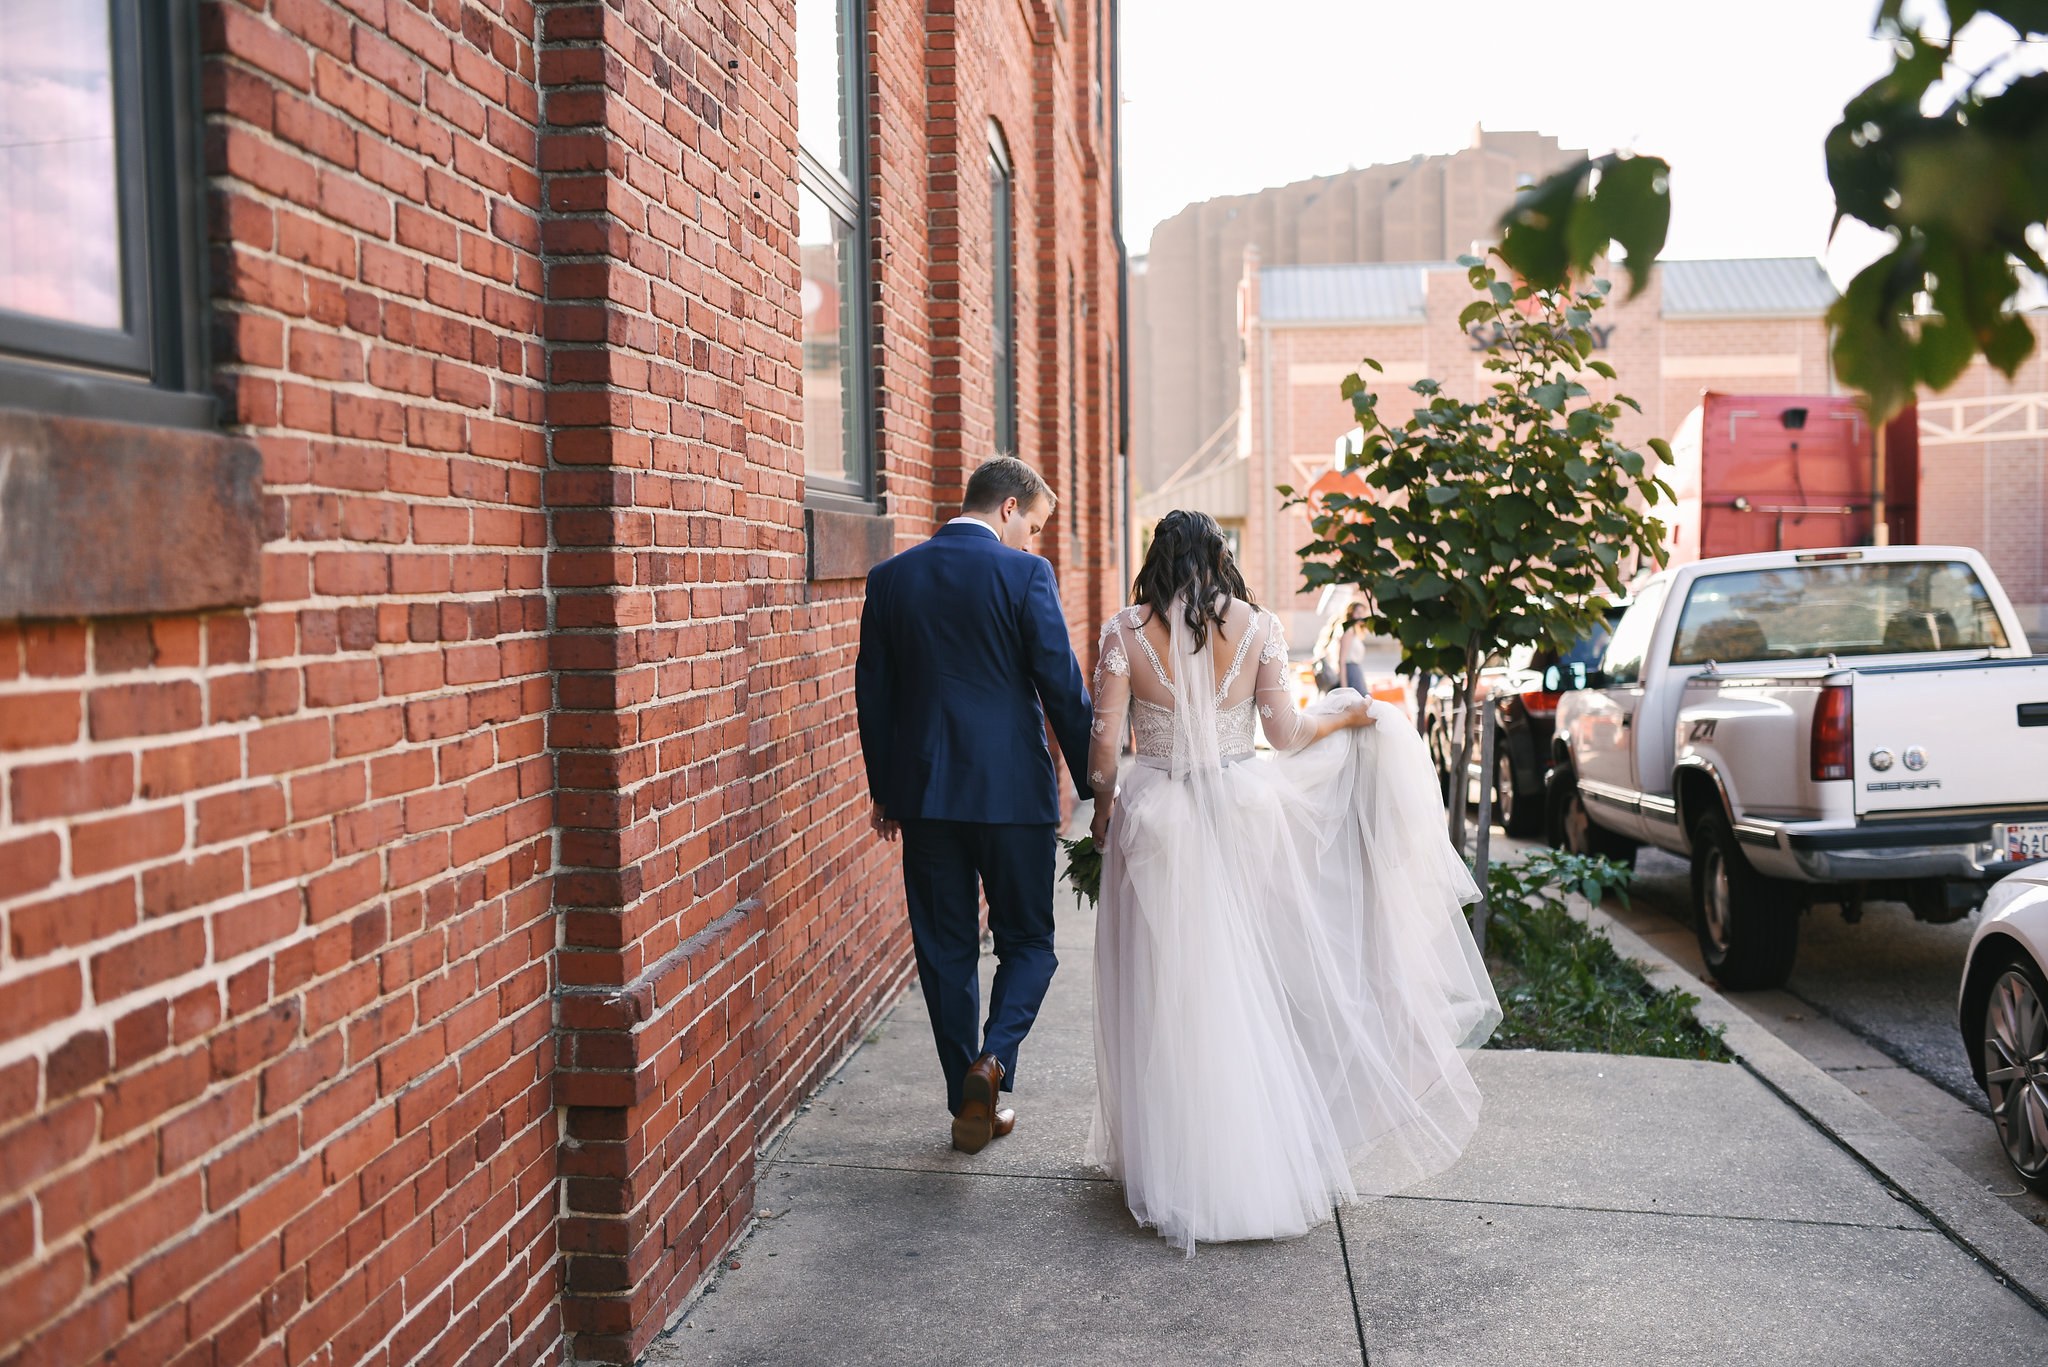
x=2003 y=1012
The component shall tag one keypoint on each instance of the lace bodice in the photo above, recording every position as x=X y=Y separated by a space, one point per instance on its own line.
x=1244 y=699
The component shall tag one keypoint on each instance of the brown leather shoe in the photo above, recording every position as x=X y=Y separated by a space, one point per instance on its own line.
x=1005 y=1121
x=975 y=1124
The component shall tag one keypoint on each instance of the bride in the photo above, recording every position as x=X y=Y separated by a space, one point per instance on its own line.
x=1284 y=978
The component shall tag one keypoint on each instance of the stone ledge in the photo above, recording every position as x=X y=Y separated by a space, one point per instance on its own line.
x=841 y=545
x=102 y=519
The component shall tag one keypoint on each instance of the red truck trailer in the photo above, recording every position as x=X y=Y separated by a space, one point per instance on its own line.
x=1779 y=472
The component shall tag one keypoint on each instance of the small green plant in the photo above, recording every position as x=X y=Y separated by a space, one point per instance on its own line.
x=1084 y=867
x=1561 y=983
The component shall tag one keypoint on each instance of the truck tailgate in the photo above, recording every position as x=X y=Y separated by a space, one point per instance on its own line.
x=1958 y=735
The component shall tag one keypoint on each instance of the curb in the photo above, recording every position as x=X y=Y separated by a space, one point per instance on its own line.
x=2011 y=1247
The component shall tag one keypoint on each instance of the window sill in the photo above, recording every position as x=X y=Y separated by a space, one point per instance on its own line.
x=840 y=543
x=62 y=392
x=105 y=519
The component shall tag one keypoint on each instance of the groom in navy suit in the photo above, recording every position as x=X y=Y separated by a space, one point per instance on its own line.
x=963 y=659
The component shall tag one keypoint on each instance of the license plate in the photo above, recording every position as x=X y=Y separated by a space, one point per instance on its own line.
x=2028 y=841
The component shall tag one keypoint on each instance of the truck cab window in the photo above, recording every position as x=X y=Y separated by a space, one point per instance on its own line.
x=1809 y=611
x=1624 y=662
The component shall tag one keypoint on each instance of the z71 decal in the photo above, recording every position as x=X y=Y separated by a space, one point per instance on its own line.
x=1699 y=731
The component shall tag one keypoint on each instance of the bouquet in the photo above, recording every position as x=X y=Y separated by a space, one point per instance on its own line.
x=1084 y=867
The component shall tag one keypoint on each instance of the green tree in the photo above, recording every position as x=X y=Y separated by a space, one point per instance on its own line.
x=1514 y=517
x=1961 y=188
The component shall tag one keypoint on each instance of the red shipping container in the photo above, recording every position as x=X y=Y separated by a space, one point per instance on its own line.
x=1764 y=472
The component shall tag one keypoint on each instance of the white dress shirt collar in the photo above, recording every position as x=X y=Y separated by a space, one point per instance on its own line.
x=980 y=522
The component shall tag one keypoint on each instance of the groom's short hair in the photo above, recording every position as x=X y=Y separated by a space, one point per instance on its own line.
x=1001 y=478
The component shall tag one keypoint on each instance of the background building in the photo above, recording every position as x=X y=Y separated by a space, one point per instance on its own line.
x=1739 y=326
x=1184 y=321
x=440 y=447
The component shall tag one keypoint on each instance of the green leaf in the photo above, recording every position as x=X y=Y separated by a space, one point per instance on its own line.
x=1559 y=225
x=1440 y=494
x=1602 y=369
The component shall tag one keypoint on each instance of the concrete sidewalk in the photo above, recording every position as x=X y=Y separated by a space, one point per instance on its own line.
x=1611 y=1210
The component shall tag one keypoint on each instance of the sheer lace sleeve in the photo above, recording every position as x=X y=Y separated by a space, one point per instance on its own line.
x=1112 y=692
x=1286 y=727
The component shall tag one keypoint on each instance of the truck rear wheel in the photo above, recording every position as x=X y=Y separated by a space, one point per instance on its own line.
x=1521 y=813
x=1567 y=827
x=1747 y=924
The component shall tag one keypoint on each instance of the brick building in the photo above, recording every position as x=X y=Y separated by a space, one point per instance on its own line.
x=440 y=444
x=1740 y=326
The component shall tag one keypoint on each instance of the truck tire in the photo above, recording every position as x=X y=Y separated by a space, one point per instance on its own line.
x=1440 y=753
x=1521 y=812
x=1747 y=924
x=1566 y=826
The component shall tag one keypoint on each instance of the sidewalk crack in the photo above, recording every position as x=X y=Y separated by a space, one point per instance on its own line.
x=941 y=1172
x=1667 y=1214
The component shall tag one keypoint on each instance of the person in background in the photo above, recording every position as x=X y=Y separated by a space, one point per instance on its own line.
x=1351 y=649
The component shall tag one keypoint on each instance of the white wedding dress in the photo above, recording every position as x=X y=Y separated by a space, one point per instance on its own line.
x=1284 y=977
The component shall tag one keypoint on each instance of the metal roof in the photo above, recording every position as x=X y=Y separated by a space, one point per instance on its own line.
x=1769 y=285
x=1358 y=292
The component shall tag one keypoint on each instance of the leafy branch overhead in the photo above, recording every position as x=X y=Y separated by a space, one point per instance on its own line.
x=1570 y=220
x=1962 y=191
x=1958 y=191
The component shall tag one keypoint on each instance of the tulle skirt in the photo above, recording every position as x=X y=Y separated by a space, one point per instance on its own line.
x=1283 y=991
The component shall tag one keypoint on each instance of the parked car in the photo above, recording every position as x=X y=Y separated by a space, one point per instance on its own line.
x=1817 y=726
x=1525 y=701
x=2003 y=1012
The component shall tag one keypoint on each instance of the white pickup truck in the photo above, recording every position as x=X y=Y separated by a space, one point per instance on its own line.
x=1810 y=727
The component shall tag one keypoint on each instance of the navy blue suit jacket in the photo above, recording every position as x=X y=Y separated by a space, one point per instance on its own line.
x=963 y=657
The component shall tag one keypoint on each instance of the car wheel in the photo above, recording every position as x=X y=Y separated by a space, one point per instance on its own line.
x=1747 y=924
x=1567 y=827
x=1520 y=814
x=2015 y=1034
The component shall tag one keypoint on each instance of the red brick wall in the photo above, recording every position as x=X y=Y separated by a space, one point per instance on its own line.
x=407 y=969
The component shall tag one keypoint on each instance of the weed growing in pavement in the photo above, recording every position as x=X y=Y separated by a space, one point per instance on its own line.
x=1561 y=983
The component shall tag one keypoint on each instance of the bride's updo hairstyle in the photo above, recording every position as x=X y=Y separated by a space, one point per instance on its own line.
x=1189 y=555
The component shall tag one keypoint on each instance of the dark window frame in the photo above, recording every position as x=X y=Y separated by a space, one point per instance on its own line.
x=155 y=368
x=1002 y=291
x=845 y=197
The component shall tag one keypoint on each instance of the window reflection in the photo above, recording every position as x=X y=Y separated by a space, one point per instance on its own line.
x=825 y=241
x=59 y=205
x=821 y=80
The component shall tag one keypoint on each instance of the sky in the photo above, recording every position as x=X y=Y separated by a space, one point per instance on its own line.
x=1225 y=97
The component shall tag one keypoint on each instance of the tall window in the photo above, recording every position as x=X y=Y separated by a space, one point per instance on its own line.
x=832 y=243
x=1002 y=293
x=99 y=230
x=1073 y=414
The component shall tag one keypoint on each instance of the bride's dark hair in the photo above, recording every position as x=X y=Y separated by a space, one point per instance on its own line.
x=1189 y=555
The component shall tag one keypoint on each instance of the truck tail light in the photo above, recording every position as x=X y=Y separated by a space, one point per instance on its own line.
x=1834 y=735
x=1537 y=703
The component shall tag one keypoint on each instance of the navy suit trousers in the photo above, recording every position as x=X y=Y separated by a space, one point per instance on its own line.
x=946 y=865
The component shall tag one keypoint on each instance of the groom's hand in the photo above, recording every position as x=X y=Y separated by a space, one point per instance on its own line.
x=882 y=825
